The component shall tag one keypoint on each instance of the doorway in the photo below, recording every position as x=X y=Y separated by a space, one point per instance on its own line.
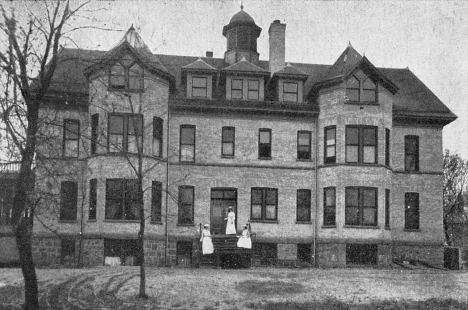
x=221 y=200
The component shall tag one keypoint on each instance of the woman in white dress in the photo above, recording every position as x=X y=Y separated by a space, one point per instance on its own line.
x=230 y=225
x=207 y=244
x=244 y=239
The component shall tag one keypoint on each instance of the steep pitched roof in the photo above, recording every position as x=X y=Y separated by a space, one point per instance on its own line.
x=291 y=72
x=199 y=65
x=244 y=66
x=345 y=63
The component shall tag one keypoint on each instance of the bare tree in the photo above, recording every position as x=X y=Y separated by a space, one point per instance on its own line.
x=28 y=59
x=455 y=181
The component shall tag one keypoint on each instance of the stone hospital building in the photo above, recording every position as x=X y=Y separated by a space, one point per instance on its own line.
x=334 y=165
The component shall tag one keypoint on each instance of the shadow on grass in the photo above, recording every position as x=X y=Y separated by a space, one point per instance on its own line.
x=270 y=288
x=334 y=304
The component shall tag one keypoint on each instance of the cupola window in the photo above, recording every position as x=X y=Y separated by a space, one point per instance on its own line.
x=360 y=88
x=124 y=77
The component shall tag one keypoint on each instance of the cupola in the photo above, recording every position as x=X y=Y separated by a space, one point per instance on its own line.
x=241 y=34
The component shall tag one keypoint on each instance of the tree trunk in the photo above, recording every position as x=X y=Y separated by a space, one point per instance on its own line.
x=446 y=232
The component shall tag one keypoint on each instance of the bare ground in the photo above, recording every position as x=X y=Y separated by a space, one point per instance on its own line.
x=206 y=289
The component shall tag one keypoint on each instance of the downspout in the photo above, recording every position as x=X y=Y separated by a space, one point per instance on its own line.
x=166 y=231
x=316 y=192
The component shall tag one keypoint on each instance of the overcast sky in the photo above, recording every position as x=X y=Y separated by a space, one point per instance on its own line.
x=429 y=37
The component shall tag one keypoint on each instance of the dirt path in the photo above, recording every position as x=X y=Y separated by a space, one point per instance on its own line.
x=116 y=288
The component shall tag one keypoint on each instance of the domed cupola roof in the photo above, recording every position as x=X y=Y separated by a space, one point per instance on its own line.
x=241 y=18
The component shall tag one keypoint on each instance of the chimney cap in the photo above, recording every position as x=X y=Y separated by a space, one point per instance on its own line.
x=276 y=21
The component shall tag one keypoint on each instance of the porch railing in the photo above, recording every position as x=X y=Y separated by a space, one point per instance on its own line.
x=9 y=167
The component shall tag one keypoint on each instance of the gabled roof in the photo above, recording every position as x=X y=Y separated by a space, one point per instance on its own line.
x=291 y=72
x=346 y=62
x=133 y=44
x=199 y=65
x=244 y=66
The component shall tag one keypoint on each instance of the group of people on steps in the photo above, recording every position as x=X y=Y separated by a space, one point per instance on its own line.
x=244 y=239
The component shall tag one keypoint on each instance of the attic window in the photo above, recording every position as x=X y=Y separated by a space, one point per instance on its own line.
x=360 y=88
x=126 y=77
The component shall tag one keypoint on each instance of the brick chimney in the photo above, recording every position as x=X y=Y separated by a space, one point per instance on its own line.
x=277 y=46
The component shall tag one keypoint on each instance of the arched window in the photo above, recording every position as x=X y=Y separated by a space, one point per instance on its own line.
x=360 y=88
x=117 y=77
x=126 y=77
x=135 y=75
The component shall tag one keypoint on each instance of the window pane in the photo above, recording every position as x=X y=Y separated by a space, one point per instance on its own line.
x=115 y=143
x=136 y=82
x=368 y=84
x=157 y=127
x=186 y=195
x=71 y=148
x=290 y=87
x=352 y=82
x=369 y=136
x=236 y=94
x=290 y=97
x=117 y=69
x=271 y=212
x=369 y=216
x=330 y=136
x=352 y=135
x=256 y=196
x=113 y=209
x=156 y=147
x=135 y=125
x=329 y=197
x=72 y=129
x=368 y=96
x=303 y=214
x=187 y=153
x=116 y=124
x=352 y=94
x=114 y=189
x=351 y=154
x=304 y=138
x=199 y=92
x=117 y=81
x=331 y=151
x=352 y=216
x=228 y=134
x=236 y=84
x=228 y=149
x=199 y=82
x=410 y=163
x=187 y=135
x=253 y=85
x=369 y=197
x=256 y=211
x=270 y=197
x=265 y=136
x=411 y=145
x=352 y=197
x=329 y=217
x=369 y=154
x=252 y=94
x=216 y=194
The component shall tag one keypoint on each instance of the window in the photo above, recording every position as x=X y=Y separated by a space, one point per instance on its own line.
x=228 y=141
x=290 y=92
x=156 y=201
x=387 y=208
x=304 y=252
x=186 y=204
x=126 y=76
x=264 y=143
x=330 y=145
x=253 y=89
x=361 y=254
x=329 y=206
x=303 y=203
x=361 y=144
x=125 y=133
x=304 y=145
x=387 y=147
x=71 y=137
x=199 y=86
x=237 y=89
x=68 y=200
x=264 y=204
x=187 y=143
x=94 y=132
x=157 y=136
x=411 y=211
x=411 y=153
x=360 y=88
x=361 y=206
x=92 y=199
x=67 y=253
x=123 y=198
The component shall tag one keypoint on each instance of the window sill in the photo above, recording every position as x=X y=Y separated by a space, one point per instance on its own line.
x=92 y=221
x=121 y=221
x=156 y=222
x=328 y=226
x=304 y=222
x=374 y=103
x=264 y=158
x=227 y=156
x=186 y=162
x=125 y=90
x=363 y=164
x=305 y=160
x=186 y=225
x=412 y=230
x=361 y=227
x=388 y=228
x=68 y=221
x=264 y=221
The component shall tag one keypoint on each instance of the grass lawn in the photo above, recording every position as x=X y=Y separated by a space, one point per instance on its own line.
x=227 y=289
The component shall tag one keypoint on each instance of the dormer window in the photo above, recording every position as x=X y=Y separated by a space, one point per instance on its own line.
x=290 y=91
x=126 y=77
x=253 y=89
x=199 y=86
x=360 y=88
x=237 y=88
